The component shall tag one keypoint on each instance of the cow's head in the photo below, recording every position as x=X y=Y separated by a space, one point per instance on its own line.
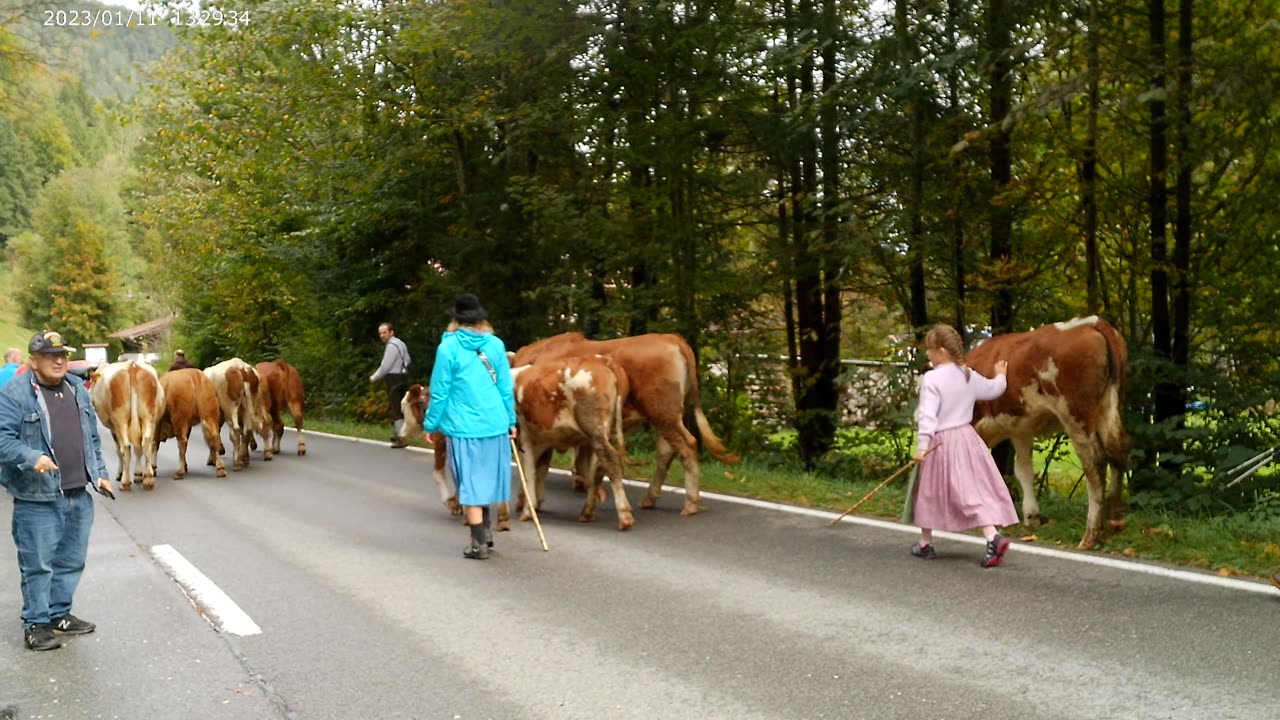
x=414 y=408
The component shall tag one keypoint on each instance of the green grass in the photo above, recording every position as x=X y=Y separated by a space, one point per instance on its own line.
x=11 y=334
x=1229 y=545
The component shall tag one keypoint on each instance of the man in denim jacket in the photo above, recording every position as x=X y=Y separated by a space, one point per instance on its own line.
x=49 y=453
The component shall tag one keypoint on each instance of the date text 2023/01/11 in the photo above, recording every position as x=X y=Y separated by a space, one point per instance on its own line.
x=149 y=17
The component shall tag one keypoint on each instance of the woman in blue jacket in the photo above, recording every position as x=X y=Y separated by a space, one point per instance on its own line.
x=473 y=404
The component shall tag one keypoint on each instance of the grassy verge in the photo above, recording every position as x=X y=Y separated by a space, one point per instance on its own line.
x=1228 y=545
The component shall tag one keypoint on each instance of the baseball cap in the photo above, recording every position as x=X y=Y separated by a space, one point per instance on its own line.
x=48 y=343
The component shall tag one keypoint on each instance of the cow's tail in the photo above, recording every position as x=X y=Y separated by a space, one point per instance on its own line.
x=693 y=403
x=135 y=416
x=619 y=439
x=1115 y=441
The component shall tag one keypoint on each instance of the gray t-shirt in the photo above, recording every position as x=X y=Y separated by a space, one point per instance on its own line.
x=68 y=438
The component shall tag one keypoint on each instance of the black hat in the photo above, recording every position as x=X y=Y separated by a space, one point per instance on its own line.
x=466 y=309
x=48 y=343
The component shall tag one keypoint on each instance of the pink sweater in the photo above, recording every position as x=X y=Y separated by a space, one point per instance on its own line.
x=946 y=399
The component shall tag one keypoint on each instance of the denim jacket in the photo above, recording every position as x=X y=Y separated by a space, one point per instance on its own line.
x=25 y=436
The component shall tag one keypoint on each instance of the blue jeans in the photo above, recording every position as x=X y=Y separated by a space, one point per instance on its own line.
x=52 y=540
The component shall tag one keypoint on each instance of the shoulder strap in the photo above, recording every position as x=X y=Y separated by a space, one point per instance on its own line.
x=493 y=374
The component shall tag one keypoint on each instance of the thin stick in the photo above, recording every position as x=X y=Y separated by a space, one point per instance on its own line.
x=529 y=499
x=887 y=480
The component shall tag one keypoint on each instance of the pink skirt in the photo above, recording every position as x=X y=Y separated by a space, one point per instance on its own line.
x=960 y=486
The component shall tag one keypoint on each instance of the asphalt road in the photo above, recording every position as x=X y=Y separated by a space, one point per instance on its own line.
x=352 y=569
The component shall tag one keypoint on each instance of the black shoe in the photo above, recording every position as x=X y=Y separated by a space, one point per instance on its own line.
x=924 y=552
x=71 y=625
x=996 y=548
x=398 y=442
x=41 y=637
x=476 y=551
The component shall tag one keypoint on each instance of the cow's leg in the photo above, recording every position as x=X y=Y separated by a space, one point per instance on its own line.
x=590 y=459
x=147 y=454
x=181 y=432
x=124 y=451
x=541 y=464
x=504 y=517
x=444 y=481
x=1115 y=498
x=1025 y=472
x=295 y=409
x=213 y=438
x=612 y=463
x=665 y=454
x=1095 y=469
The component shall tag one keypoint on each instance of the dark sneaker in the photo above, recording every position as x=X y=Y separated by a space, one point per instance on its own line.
x=996 y=548
x=41 y=637
x=924 y=552
x=71 y=625
x=476 y=552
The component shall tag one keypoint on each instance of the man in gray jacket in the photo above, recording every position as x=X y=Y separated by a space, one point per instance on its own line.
x=50 y=453
x=394 y=372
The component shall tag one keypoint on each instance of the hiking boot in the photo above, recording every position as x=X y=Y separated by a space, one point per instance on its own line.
x=996 y=548
x=476 y=551
x=41 y=637
x=71 y=625
x=924 y=552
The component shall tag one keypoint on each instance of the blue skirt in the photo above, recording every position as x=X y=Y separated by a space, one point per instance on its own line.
x=482 y=467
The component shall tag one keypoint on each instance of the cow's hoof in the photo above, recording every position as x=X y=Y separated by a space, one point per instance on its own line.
x=267 y=456
x=222 y=472
x=586 y=517
x=1117 y=525
x=179 y=475
x=1034 y=521
x=1088 y=542
x=692 y=508
x=648 y=503
x=149 y=484
x=526 y=517
x=625 y=521
x=504 y=525
x=126 y=486
x=302 y=449
x=237 y=467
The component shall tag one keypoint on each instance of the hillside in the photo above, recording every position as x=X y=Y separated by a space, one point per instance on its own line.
x=11 y=334
x=110 y=60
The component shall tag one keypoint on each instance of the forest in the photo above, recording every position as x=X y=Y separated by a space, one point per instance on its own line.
x=785 y=183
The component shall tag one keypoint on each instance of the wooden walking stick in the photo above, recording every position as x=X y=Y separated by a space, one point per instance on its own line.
x=532 y=502
x=887 y=480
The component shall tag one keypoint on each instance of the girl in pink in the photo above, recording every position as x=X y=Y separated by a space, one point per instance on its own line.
x=959 y=486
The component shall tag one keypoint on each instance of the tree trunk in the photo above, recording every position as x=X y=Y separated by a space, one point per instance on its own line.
x=1182 y=199
x=915 y=179
x=1001 y=161
x=957 y=222
x=1089 y=170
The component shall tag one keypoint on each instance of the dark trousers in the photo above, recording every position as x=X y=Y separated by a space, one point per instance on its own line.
x=397 y=386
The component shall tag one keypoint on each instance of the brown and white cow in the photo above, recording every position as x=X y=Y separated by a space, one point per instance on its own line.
x=128 y=398
x=236 y=384
x=279 y=387
x=1066 y=377
x=663 y=387
x=573 y=404
x=189 y=399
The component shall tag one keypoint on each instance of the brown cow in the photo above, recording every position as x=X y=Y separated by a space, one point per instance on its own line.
x=573 y=403
x=1066 y=377
x=663 y=377
x=189 y=399
x=236 y=384
x=279 y=386
x=129 y=400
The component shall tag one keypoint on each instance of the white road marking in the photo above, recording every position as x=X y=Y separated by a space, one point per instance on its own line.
x=1018 y=547
x=221 y=611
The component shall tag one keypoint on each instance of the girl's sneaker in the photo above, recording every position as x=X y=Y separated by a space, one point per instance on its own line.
x=924 y=552
x=996 y=548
